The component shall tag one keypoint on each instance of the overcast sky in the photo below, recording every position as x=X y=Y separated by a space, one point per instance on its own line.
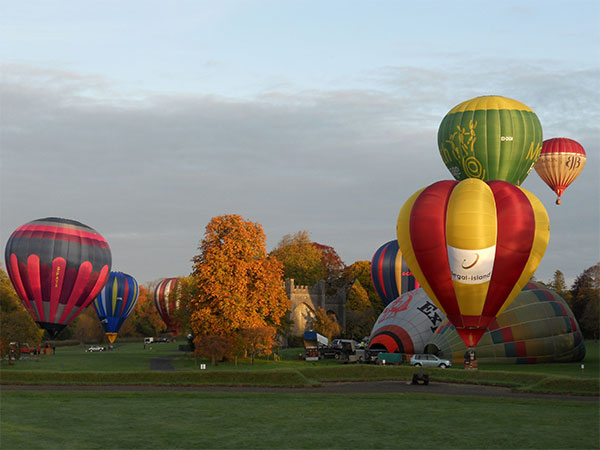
x=145 y=119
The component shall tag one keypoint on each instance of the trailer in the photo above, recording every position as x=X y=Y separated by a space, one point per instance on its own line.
x=312 y=342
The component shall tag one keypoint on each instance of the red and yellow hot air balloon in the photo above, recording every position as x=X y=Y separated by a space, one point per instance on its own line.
x=473 y=245
x=560 y=162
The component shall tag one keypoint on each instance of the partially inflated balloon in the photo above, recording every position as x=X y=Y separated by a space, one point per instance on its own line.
x=406 y=324
x=115 y=302
x=167 y=297
x=57 y=266
x=389 y=273
x=538 y=327
x=473 y=246
x=490 y=138
x=560 y=162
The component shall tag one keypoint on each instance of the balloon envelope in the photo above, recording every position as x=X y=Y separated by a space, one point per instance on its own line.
x=406 y=324
x=560 y=162
x=538 y=327
x=57 y=267
x=167 y=296
x=115 y=302
x=473 y=246
x=389 y=273
x=490 y=138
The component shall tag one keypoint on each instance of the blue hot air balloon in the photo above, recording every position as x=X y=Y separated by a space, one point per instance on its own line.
x=390 y=275
x=115 y=302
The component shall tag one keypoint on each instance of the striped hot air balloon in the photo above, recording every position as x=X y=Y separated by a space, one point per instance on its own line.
x=490 y=138
x=167 y=297
x=389 y=273
x=115 y=302
x=473 y=246
x=57 y=267
x=538 y=327
x=560 y=162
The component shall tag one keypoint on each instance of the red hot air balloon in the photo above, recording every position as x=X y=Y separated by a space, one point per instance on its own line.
x=560 y=162
x=473 y=246
x=167 y=296
x=57 y=267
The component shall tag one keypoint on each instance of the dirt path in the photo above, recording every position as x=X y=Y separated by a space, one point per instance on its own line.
x=365 y=387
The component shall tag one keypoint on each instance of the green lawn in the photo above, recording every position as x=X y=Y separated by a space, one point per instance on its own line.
x=190 y=420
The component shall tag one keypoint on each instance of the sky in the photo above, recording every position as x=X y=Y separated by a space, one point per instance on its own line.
x=145 y=119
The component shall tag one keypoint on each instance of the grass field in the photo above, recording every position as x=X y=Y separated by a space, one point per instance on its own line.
x=191 y=420
x=143 y=420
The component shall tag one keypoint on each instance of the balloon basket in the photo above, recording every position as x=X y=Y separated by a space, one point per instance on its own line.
x=471 y=365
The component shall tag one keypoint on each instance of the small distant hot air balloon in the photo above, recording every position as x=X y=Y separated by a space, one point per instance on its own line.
x=57 y=267
x=560 y=162
x=115 y=302
x=167 y=297
x=389 y=273
x=473 y=246
x=490 y=138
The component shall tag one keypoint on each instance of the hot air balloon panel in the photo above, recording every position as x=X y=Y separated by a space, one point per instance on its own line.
x=538 y=327
x=390 y=274
x=560 y=162
x=115 y=302
x=490 y=138
x=406 y=324
x=57 y=267
x=472 y=246
x=167 y=296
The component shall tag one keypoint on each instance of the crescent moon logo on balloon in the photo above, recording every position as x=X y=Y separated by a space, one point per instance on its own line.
x=472 y=265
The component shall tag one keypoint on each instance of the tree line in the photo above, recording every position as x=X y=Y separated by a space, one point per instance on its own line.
x=233 y=302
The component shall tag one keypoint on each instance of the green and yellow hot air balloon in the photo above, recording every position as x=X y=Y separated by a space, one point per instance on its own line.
x=490 y=138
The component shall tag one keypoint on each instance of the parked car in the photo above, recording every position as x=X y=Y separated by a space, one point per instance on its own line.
x=162 y=339
x=96 y=348
x=427 y=360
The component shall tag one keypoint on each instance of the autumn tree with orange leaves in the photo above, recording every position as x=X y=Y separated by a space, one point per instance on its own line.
x=239 y=286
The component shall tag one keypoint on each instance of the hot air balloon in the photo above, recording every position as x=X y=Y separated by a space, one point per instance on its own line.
x=167 y=296
x=389 y=273
x=115 y=302
x=473 y=245
x=538 y=327
x=490 y=138
x=57 y=267
x=406 y=324
x=560 y=162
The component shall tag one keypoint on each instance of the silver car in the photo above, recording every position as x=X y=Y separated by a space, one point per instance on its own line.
x=427 y=360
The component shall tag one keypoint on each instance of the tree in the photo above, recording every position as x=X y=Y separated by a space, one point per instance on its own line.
x=358 y=299
x=144 y=318
x=238 y=284
x=584 y=298
x=213 y=347
x=259 y=340
x=325 y=325
x=16 y=323
x=88 y=328
x=361 y=271
x=360 y=315
x=301 y=260
x=331 y=261
x=559 y=284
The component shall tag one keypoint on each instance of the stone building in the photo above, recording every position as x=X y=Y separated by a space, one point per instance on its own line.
x=306 y=299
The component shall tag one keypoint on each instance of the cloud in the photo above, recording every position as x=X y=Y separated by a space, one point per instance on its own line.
x=148 y=170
